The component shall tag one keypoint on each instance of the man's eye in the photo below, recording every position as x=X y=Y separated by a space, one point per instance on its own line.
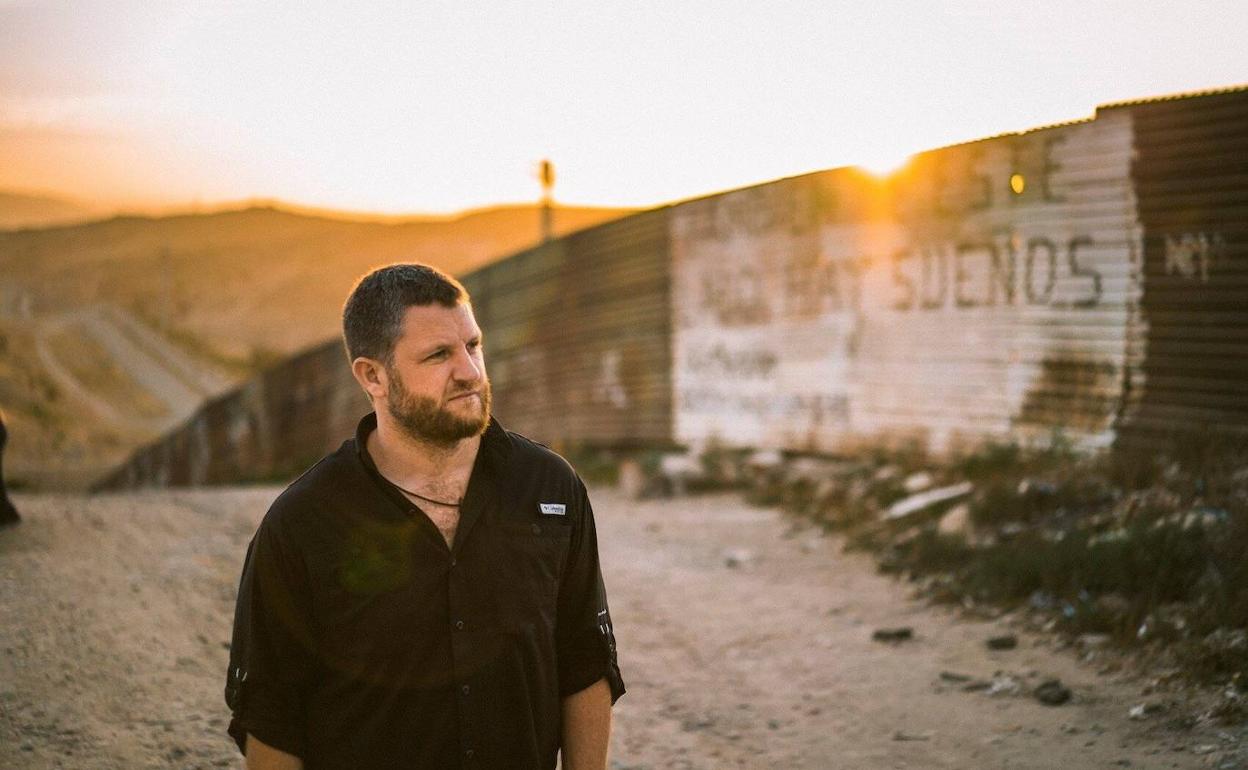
x=436 y=355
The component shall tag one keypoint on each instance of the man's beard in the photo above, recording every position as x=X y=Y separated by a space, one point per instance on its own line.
x=424 y=419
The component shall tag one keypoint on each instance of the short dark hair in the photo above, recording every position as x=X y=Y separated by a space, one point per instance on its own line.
x=372 y=318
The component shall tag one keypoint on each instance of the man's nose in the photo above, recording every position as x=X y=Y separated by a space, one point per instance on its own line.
x=467 y=367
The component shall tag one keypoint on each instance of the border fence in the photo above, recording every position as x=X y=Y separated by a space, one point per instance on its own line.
x=1087 y=280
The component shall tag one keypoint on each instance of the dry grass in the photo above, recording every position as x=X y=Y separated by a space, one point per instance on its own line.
x=51 y=445
x=94 y=368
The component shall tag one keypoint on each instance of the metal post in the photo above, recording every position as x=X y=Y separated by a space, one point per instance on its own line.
x=548 y=186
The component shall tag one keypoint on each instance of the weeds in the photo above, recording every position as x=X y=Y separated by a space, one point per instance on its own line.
x=1146 y=547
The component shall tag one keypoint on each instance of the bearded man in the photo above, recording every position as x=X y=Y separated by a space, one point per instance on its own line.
x=428 y=595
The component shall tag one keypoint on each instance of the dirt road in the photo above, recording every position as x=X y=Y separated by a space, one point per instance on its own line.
x=154 y=363
x=743 y=644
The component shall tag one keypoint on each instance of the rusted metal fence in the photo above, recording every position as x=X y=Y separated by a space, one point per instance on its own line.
x=1086 y=280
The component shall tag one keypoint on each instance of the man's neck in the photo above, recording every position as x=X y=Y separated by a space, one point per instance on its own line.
x=406 y=460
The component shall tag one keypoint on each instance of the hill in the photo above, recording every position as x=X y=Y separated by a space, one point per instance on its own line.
x=100 y=322
x=18 y=210
x=246 y=284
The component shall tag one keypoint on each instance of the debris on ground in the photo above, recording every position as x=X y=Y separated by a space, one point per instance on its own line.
x=1052 y=692
x=900 y=735
x=900 y=634
x=736 y=558
x=1113 y=554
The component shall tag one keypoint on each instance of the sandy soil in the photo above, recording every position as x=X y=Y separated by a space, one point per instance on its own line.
x=744 y=643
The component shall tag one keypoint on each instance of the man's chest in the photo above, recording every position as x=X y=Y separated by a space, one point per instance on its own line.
x=396 y=579
x=444 y=517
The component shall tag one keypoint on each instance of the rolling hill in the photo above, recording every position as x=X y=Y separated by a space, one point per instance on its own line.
x=225 y=293
x=21 y=210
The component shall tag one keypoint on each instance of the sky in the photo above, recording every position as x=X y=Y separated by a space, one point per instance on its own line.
x=433 y=106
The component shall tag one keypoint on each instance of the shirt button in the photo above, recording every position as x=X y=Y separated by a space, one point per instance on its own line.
x=465 y=689
x=469 y=754
x=459 y=625
x=454 y=561
x=537 y=529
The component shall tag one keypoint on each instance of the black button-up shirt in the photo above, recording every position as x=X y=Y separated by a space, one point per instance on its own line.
x=362 y=641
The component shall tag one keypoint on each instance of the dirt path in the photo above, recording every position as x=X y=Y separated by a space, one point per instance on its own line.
x=116 y=615
x=155 y=365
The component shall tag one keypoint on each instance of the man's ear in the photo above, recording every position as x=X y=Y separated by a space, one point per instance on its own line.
x=371 y=375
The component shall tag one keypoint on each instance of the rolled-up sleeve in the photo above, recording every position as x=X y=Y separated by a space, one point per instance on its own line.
x=271 y=654
x=584 y=634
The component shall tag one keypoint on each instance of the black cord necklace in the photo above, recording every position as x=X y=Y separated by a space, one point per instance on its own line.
x=427 y=499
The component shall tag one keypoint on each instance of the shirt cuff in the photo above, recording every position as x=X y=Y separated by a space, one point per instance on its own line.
x=279 y=736
x=580 y=671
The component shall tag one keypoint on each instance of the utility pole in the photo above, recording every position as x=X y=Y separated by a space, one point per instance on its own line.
x=166 y=289
x=547 y=175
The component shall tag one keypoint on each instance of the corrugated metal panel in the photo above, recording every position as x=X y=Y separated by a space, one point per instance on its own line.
x=1191 y=177
x=944 y=306
x=578 y=335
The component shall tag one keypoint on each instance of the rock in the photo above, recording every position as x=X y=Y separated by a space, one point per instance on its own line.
x=917 y=482
x=923 y=501
x=885 y=473
x=1142 y=711
x=1093 y=641
x=951 y=676
x=1204 y=517
x=735 y=558
x=1035 y=488
x=1042 y=600
x=899 y=735
x=765 y=459
x=679 y=470
x=1113 y=607
x=1226 y=645
x=1052 y=692
x=811 y=470
x=900 y=634
x=977 y=685
x=631 y=479
x=1231 y=710
x=1004 y=684
x=1004 y=642
x=956 y=521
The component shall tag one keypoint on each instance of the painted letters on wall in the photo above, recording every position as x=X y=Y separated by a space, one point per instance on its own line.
x=986 y=290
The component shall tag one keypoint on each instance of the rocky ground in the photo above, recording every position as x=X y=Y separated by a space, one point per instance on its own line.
x=745 y=642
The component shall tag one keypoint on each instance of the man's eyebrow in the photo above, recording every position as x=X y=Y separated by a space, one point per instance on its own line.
x=434 y=347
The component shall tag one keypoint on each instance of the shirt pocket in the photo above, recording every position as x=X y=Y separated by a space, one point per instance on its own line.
x=532 y=556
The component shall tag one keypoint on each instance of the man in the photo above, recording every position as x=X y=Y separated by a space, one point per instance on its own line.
x=429 y=595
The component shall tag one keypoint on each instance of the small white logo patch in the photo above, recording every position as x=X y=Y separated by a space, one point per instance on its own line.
x=554 y=509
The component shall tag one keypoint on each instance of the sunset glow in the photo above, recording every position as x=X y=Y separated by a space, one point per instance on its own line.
x=399 y=107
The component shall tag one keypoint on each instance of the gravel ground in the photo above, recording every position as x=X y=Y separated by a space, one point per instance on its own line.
x=744 y=643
